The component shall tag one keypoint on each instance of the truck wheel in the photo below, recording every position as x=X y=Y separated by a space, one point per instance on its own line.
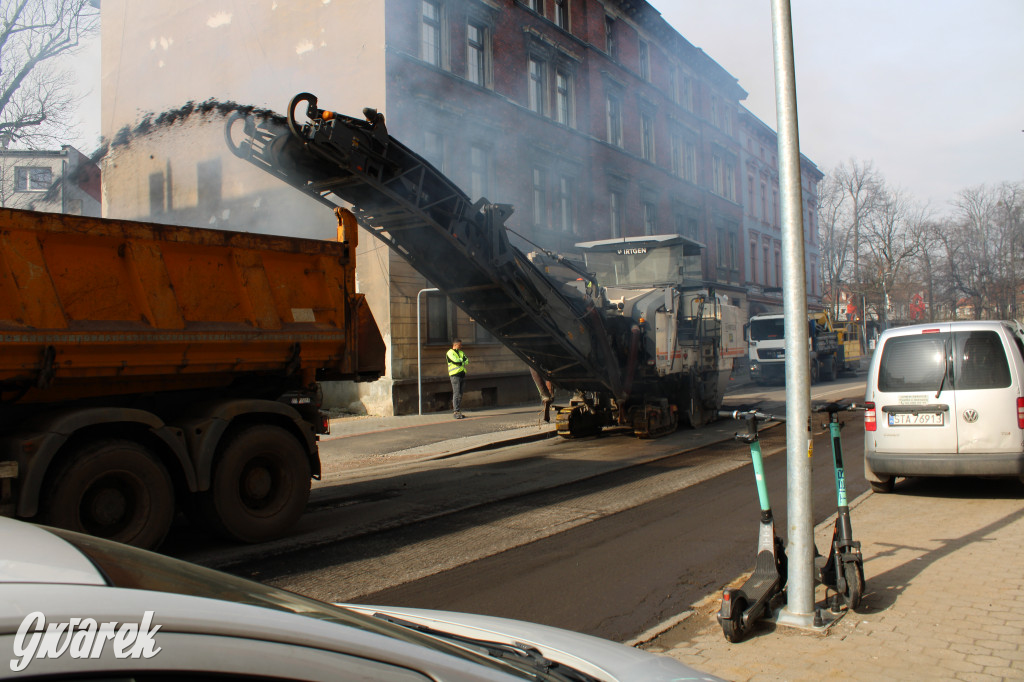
x=114 y=489
x=260 y=485
x=829 y=373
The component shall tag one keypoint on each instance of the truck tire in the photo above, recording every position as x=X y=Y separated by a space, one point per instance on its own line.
x=830 y=369
x=260 y=485
x=115 y=489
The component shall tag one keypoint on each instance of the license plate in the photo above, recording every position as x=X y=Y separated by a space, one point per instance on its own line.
x=918 y=419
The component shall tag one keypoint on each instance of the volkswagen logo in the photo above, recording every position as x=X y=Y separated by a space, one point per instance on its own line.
x=970 y=416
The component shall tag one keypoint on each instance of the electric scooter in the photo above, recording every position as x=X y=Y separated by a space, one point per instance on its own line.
x=742 y=606
x=843 y=569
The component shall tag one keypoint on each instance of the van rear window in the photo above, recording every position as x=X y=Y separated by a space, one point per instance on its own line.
x=917 y=362
x=912 y=363
x=980 y=361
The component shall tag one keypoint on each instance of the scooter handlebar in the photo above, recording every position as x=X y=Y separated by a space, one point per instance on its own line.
x=751 y=414
x=832 y=408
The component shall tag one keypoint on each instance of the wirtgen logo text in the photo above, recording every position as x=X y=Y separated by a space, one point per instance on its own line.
x=82 y=638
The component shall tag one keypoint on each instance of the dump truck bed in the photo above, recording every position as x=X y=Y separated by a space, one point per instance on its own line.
x=91 y=306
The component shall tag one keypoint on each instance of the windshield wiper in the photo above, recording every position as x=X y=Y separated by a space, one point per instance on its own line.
x=514 y=654
x=945 y=368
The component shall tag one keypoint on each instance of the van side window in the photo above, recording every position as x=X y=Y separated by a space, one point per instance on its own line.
x=912 y=363
x=980 y=361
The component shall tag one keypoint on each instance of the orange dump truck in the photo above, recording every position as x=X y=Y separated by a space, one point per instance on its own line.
x=150 y=368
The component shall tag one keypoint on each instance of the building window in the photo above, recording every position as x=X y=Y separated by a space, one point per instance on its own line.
x=536 y=5
x=775 y=207
x=433 y=149
x=563 y=98
x=650 y=218
x=610 y=45
x=717 y=174
x=676 y=141
x=440 y=319
x=567 y=204
x=714 y=110
x=764 y=201
x=615 y=213
x=477 y=53
x=686 y=93
x=536 y=85
x=28 y=179
x=645 y=60
x=478 y=170
x=729 y=185
x=562 y=14
x=752 y=275
x=540 y=199
x=647 y=136
x=690 y=161
x=613 y=112
x=764 y=264
x=778 y=268
x=430 y=32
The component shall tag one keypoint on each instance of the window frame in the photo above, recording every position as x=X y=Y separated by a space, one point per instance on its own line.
x=613 y=119
x=26 y=178
x=432 y=54
x=481 y=47
x=536 y=84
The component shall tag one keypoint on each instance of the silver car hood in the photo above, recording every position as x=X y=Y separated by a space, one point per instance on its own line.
x=600 y=658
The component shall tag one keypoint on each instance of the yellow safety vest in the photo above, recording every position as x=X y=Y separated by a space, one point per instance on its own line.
x=457 y=362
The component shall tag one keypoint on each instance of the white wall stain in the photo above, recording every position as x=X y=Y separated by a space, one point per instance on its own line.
x=304 y=47
x=219 y=19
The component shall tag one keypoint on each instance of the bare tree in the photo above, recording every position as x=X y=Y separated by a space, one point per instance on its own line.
x=835 y=238
x=37 y=101
x=862 y=185
x=892 y=233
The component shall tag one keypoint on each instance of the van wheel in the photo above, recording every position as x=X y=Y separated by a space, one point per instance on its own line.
x=885 y=485
x=260 y=485
x=114 y=489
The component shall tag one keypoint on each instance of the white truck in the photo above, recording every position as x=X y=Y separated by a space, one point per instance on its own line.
x=766 y=348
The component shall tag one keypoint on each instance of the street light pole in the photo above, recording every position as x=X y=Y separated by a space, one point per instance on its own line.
x=799 y=610
x=419 y=342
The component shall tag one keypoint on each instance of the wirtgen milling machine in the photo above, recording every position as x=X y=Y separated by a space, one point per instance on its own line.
x=633 y=333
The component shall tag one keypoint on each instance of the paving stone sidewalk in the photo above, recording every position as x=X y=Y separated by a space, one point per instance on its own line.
x=944 y=599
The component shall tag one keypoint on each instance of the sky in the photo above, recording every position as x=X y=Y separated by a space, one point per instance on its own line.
x=929 y=92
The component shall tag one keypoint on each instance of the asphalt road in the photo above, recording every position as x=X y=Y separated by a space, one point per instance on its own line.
x=636 y=541
x=622 y=574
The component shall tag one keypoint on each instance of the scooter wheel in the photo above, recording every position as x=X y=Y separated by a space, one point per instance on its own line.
x=732 y=627
x=854 y=575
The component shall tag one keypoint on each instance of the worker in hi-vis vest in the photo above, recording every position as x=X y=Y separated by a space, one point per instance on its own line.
x=457 y=362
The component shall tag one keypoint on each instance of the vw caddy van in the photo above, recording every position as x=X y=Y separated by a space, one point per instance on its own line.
x=945 y=399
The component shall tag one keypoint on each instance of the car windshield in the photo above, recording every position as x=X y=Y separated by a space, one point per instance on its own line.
x=132 y=568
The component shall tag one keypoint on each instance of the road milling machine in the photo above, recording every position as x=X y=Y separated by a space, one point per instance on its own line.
x=630 y=331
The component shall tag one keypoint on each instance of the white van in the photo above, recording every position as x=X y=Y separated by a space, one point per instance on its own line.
x=945 y=399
